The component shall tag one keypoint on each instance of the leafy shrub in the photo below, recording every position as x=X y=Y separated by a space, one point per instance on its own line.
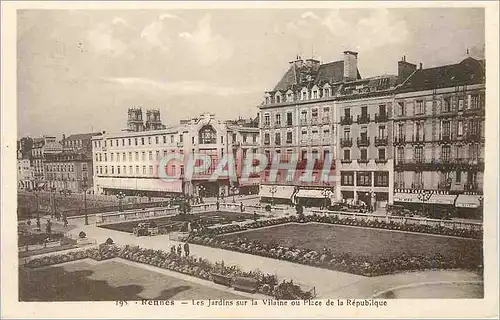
x=82 y=235
x=109 y=241
x=268 y=208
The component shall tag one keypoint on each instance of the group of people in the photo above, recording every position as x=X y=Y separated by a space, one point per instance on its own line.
x=178 y=250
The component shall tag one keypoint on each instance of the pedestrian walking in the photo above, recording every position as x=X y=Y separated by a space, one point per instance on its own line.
x=218 y=205
x=38 y=224
x=241 y=207
x=28 y=222
x=65 y=220
x=179 y=250
x=186 y=249
x=48 y=227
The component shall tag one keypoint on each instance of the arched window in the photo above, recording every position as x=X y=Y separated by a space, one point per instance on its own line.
x=207 y=135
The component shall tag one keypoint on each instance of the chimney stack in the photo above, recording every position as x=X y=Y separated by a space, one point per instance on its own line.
x=350 y=65
x=405 y=69
x=420 y=65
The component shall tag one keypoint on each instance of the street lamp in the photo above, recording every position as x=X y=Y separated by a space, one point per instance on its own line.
x=326 y=192
x=84 y=186
x=233 y=191
x=120 y=197
x=424 y=196
x=273 y=190
x=201 y=192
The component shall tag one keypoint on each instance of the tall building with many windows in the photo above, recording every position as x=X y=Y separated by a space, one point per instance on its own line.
x=364 y=160
x=132 y=162
x=439 y=137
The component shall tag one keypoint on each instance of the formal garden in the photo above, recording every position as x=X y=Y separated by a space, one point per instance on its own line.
x=181 y=222
x=229 y=276
x=357 y=246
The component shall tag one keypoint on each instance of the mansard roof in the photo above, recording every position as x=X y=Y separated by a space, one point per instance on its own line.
x=331 y=72
x=468 y=71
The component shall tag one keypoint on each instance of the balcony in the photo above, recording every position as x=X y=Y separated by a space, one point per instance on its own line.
x=473 y=187
x=266 y=125
x=304 y=122
x=363 y=142
x=363 y=161
x=381 y=141
x=345 y=142
x=418 y=140
x=381 y=118
x=325 y=120
x=364 y=118
x=277 y=125
x=315 y=121
x=445 y=138
x=473 y=137
x=381 y=161
x=266 y=142
x=399 y=140
x=345 y=161
x=326 y=140
x=345 y=121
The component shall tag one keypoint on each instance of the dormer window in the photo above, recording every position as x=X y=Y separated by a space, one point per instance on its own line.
x=278 y=99
x=304 y=94
x=315 y=94
x=268 y=100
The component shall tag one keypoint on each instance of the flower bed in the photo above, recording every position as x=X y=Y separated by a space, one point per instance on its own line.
x=379 y=224
x=367 y=265
x=197 y=267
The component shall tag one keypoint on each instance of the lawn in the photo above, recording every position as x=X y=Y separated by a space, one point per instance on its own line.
x=206 y=218
x=109 y=281
x=358 y=241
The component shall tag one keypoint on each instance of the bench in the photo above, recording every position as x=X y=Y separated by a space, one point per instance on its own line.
x=221 y=279
x=245 y=284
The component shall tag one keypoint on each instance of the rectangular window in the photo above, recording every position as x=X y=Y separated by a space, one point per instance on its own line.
x=137 y=170
x=401 y=108
x=458 y=176
x=419 y=154
x=142 y=141
x=157 y=155
x=164 y=139
x=347 y=133
x=445 y=153
x=347 y=154
x=172 y=139
x=137 y=156
x=289 y=119
x=445 y=129
x=460 y=104
x=118 y=169
x=314 y=113
x=144 y=170
x=277 y=138
x=364 y=112
x=381 y=179
x=143 y=156
x=150 y=170
x=401 y=154
x=181 y=138
x=474 y=102
x=105 y=157
x=266 y=138
x=364 y=179
x=124 y=170
x=135 y=141
x=110 y=143
x=278 y=119
x=347 y=113
x=289 y=137
x=150 y=155
x=364 y=154
x=347 y=178
x=381 y=132
x=446 y=106
x=381 y=110
x=381 y=154
x=419 y=108
x=124 y=157
x=267 y=120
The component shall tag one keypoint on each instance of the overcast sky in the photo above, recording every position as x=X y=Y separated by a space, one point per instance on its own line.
x=81 y=70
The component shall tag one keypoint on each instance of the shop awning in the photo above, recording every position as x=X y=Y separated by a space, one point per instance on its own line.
x=282 y=192
x=310 y=193
x=442 y=199
x=406 y=197
x=468 y=201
